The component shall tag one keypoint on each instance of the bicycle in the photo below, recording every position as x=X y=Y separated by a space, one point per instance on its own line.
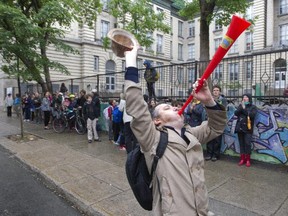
x=61 y=122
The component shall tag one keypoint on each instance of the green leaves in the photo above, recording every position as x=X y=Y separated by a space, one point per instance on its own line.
x=27 y=28
x=139 y=18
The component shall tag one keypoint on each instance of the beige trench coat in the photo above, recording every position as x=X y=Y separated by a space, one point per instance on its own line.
x=180 y=172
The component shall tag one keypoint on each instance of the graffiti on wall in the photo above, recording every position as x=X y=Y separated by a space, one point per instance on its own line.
x=270 y=135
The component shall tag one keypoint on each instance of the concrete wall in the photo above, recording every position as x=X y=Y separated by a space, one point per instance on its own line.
x=270 y=137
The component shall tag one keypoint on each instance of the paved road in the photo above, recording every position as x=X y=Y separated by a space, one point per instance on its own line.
x=22 y=192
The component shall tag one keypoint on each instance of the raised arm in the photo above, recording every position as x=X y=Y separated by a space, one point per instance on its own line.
x=141 y=124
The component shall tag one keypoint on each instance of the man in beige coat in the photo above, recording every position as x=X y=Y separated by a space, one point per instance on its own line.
x=178 y=183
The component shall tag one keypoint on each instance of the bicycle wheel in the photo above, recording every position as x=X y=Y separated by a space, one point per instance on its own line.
x=80 y=125
x=59 y=124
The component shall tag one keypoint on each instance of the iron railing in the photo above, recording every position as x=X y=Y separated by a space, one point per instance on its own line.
x=262 y=74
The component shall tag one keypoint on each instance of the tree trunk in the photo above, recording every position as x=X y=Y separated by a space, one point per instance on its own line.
x=206 y=9
x=45 y=64
x=204 y=45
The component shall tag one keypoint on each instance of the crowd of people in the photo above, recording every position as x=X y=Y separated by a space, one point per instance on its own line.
x=203 y=122
x=42 y=110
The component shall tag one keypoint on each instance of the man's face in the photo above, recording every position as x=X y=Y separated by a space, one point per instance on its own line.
x=168 y=114
x=216 y=92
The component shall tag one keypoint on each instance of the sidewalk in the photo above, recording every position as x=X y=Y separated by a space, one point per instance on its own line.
x=93 y=176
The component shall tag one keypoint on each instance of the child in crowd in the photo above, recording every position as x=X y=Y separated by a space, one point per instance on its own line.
x=90 y=114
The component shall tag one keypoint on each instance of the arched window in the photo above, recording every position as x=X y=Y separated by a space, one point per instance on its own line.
x=110 y=75
x=280 y=73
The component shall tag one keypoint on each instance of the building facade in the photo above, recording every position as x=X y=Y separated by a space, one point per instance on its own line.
x=270 y=32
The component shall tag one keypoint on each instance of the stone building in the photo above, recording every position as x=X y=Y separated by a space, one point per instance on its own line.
x=270 y=32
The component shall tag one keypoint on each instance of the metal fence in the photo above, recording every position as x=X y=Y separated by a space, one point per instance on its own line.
x=264 y=75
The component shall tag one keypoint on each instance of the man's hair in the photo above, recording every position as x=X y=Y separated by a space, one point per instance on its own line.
x=155 y=112
x=216 y=86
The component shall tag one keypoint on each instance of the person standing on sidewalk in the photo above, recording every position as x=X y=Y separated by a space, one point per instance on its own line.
x=214 y=146
x=178 y=182
x=246 y=113
x=38 y=111
x=130 y=139
x=27 y=107
x=45 y=106
x=17 y=105
x=90 y=115
x=9 y=103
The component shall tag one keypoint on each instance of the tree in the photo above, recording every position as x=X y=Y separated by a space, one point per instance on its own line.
x=139 y=18
x=208 y=10
x=28 y=28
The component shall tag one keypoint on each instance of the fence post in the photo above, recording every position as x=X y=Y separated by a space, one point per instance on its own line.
x=195 y=71
x=71 y=86
x=97 y=86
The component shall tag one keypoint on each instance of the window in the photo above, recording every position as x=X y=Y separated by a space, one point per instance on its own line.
x=247 y=91
x=233 y=92
x=180 y=74
x=218 y=72
x=159 y=48
x=280 y=73
x=160 y=70
x=171 y=49
x=171 y=74
x=159 y=10
x=180 y=51
x=249 y=13
x=123 y=65
x=159 y=92
x=191 y=51
x=149 y=36
x=234 y=48
x=105 y=5
x=284 y=35
x=73 y=88
x=249 y=41
x=191 y=29
x=96 y=63
x=191 y=75
x=180 y=29
x=233 y=70
x=217 y=43
x=249 y=70
x=104 y=28
x=171 y=25
x=140 y=63
x=283 y=7
x=110 y=75
x=218 y=26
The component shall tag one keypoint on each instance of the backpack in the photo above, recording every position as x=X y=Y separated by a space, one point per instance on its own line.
x=138 y=175
x=151 y=75
x=117 y=115
x=106 y=113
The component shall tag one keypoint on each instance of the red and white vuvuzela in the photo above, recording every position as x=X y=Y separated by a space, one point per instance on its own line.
x=236 y=27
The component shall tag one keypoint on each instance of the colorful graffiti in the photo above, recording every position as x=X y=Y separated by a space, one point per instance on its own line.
x=270 y=135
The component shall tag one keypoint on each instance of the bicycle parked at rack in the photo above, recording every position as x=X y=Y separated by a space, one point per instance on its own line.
x=64 y=119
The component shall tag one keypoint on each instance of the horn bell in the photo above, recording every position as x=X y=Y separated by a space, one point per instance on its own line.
x=122 y=41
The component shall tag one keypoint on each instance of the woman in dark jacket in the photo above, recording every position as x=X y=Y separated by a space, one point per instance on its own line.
x=246 y=113
x=63 y=88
